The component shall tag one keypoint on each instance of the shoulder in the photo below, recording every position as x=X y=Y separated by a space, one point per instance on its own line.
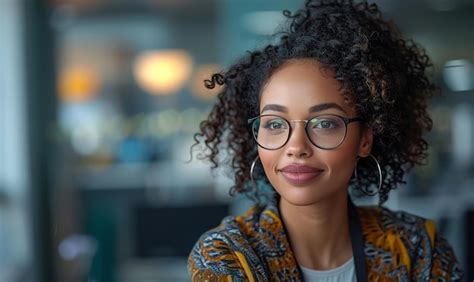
x=224 y=251
x=412 y=240
x=410 y=227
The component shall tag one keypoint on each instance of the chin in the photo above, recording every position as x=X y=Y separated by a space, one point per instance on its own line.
x=305 y=196
x=301 y=196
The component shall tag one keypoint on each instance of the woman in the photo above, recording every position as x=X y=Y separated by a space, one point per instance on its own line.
x=337 y=105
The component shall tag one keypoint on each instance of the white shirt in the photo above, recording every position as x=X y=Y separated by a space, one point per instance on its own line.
x=343 y=273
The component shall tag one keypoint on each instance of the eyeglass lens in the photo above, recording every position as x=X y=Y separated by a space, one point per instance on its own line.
x=325 y=131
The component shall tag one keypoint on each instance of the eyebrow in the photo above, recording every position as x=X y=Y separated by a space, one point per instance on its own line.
x=313 y=109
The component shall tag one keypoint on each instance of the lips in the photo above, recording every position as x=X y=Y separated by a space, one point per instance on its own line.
x=300 y=175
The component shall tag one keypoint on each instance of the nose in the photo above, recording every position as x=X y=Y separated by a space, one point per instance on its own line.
x=298 y=144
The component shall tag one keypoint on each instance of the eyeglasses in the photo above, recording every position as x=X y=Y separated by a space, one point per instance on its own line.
x=326 y=132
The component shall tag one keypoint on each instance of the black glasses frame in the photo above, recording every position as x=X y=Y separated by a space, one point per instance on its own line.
x=346 y=120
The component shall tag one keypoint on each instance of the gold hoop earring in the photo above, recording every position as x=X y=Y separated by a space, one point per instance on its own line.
x=371 y=192
x=252 y=168
x=261 y=194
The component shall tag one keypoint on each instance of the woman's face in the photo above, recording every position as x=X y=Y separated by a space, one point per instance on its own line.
x=297 y=87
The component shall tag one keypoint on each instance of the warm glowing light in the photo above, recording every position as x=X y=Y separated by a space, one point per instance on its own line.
x=78 y=84
x=162 y=72
x=205 y=72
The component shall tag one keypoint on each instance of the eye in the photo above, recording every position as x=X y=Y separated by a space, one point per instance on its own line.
x=325 y=123
x=275 y=124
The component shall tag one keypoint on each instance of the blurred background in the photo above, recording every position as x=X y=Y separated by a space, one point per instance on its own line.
x=99 y=101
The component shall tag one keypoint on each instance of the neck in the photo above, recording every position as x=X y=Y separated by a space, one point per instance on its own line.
x=318 y=233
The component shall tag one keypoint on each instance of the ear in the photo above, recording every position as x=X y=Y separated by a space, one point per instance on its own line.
x=366 y=139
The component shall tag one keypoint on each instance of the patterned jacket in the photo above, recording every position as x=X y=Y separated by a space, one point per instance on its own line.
x=398 y=246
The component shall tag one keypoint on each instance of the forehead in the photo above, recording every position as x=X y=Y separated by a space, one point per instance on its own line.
x=300 y=84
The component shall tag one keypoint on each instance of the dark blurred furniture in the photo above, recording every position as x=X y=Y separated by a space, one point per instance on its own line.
x=469 y=271
x=173 y=231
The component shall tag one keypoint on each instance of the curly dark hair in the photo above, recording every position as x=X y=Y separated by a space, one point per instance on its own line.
x=383 y=76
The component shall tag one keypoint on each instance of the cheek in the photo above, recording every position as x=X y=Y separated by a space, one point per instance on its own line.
x=340 y=167
x=269 y=161
x=341 y=161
